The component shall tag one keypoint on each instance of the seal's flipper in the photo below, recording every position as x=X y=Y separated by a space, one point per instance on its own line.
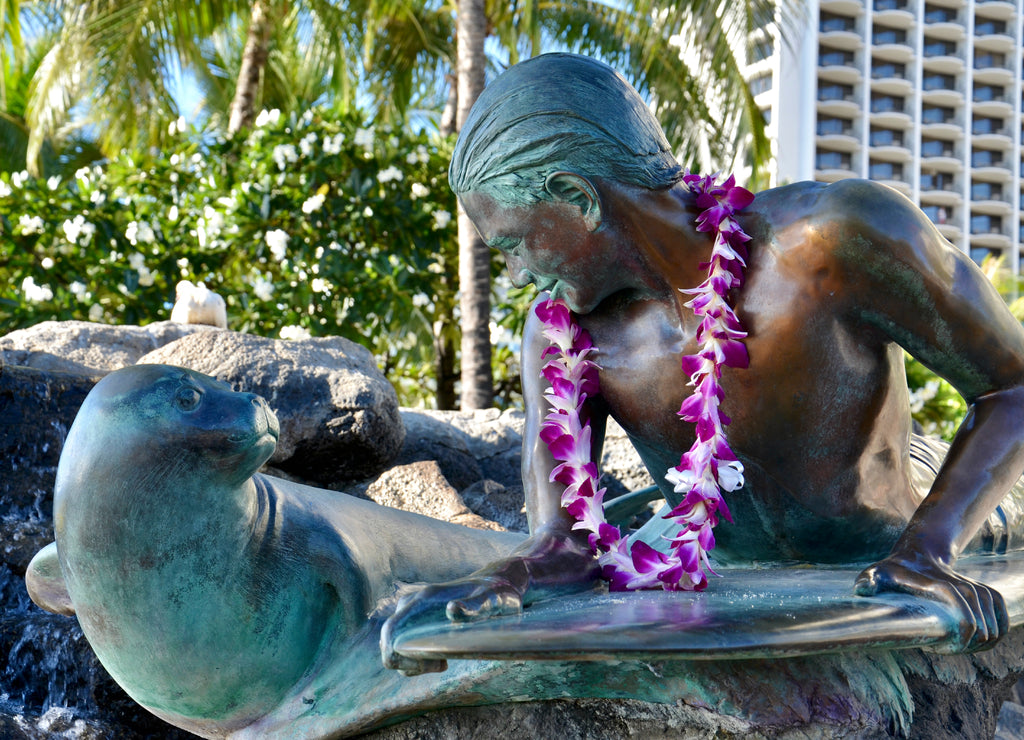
x=45 y=583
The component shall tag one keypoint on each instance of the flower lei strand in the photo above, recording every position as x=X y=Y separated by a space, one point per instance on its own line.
x=703 y=472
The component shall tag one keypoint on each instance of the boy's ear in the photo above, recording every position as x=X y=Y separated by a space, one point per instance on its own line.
x=568 y=187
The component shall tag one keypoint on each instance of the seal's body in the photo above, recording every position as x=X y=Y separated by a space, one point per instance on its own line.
x=207 y=590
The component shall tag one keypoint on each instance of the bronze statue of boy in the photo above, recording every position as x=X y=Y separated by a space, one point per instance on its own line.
x=563 y=168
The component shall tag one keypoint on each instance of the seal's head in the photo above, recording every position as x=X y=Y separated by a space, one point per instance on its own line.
x=178 y=420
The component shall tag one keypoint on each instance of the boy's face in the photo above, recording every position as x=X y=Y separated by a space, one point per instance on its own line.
x=551 y=245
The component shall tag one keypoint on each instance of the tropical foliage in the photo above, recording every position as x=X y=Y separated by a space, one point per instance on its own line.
x=310 y=225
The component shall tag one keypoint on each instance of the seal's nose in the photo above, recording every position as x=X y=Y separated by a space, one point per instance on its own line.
x=268 y=417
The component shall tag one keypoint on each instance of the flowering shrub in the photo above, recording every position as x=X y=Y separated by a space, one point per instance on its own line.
x=310 y=225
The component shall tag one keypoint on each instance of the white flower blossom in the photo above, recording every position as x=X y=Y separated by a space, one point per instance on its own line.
x=419 y=190
x=391 y=173
x=263 y=288
x=266 y=117
x=318 y=285
x=172 y=213
x=98 y=197
x=364 y=138
x=53 y=182
x=19 y=178
x=5 y=189
x=30 y=224
x=294 y=332
x=35 y=293
x=283 y=154
x=175 y=158
x=306 y=144
x=421 y=300
x=95 y=312
x=441 y=219
x=332 y=144
x=368 y=212
x=46 y=263
x=277 y=240
x=313 y=203
x=78 y=230
x=78 y=290
x=139 y=231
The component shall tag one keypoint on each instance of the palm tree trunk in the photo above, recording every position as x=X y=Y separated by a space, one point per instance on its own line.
x=474 y=255
x=254 y=59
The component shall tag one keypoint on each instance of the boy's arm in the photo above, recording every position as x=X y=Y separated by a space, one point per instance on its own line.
x=931 y=299
x=552 y=560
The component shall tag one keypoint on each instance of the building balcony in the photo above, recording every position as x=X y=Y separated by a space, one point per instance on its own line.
x=839 y=107
x=998 y=42
x=946 y=64
x=838 y=142
x=834 y=175
x=994 y=108
x=900 y=186
x=891 y=119
x=845 y=74
x=999 y=10
x=892 y=86
x=993 y=240
x=944 y=198
x=845 y=40
x=943 y=163
x=946 y=130
x=900 y=18
x=991 y=207
x=891 y=153
x=992 y=173
x=901 y=52
x=992 y=76
x=943 y=97
x=996 y=140
x=950 y=231
x=945 y=31
x=849 y=8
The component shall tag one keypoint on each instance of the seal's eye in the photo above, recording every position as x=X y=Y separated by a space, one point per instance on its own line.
x=187 y=398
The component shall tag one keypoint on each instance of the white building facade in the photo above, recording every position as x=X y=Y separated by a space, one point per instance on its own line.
x=923 y=95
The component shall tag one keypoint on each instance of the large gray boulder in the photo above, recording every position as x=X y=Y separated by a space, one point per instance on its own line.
x=85 y=348
x=339 y=414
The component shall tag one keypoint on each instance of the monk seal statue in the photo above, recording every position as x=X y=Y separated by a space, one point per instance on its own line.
x=207 y=591
x=237 y=605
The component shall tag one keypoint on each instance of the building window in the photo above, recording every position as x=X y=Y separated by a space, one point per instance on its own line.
x=986 y=59
x=834 y=57
x=986 y=191
x=936 y=148
x=885 y=171
x=761 y=84
x=886 y=104
x=883 y=70
x=980 y=254
x=834 y=126
x=936 y=81
x=989 y=27
x=825 y=160
x=761 y=49
x=935 y=14
x=883 y=5
x=835 y=92
x=983 y=223
x=831 y=22
x=940 y=49
x=937 y=214
x=986 y=126
x=986 y=158
x=937 y=114
x=885 y=137
x=936 y=181
x=988 y=93
x=883 y=35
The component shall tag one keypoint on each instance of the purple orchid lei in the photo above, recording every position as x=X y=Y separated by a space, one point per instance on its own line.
x=709 y=466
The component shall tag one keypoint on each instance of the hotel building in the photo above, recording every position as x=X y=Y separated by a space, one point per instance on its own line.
x=923 y=95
